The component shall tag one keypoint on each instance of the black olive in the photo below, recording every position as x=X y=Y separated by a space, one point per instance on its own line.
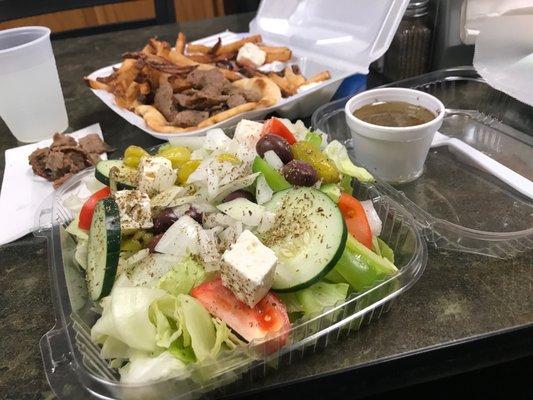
x=277 y=144
x=164 y=220
x=153 y=242
x=300 y=173
x=237 y=194
x=194 y=214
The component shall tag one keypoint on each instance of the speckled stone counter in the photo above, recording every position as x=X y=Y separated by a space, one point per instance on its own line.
x=460 y=298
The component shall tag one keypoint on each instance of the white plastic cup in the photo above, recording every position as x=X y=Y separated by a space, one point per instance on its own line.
x=31 y=100
x=394 y=154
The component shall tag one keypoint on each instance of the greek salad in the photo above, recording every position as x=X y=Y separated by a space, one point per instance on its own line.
x=213 y=242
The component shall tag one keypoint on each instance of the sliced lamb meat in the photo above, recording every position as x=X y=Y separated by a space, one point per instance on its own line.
x=207 y=78
x=235 y=100
x=61 y=139
x=163 y=100
x=93 y=144
x=65 y=157
x=59 y=181
x=188 y=118
x=251 y=95
x=201 y=99
x=93 y=158
x=55 y=161
x=37 y=160
x=75 y=159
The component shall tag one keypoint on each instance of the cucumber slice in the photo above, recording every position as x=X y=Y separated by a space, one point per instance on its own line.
x=103 y=248
x=308 y=237
x=126 y=177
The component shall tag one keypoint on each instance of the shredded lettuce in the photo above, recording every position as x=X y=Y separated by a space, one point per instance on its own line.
x=147 y=326
x=144 y=368
x=80 y=254
x=337 y=153
x=182 y=277
x=199 y=325
x=74 y=230
x=166 y=333
x=125 y=317
x=384 y=250
x=315 y=298
x=321 y=295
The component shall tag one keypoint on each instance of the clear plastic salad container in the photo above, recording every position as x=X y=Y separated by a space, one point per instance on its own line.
x=459 y=207
x=72 y=361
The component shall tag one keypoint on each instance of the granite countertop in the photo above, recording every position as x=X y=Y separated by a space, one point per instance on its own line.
x=459 y=299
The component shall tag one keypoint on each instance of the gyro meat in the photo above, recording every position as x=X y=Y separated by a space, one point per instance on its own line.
x=65 y=157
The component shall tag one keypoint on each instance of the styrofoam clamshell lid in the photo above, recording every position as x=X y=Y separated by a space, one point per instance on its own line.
x=348 y=33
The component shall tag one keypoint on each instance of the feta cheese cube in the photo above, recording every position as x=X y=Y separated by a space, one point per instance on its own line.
x=155 y=174
x=248 y=268
x=251 y=55
x=134 y=210
x=247 y=134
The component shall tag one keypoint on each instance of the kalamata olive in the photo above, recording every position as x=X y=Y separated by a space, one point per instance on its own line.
x=164 y=220
x=300 y=173
x=241 y=193
x=194 y=214
x=277 y=144
x=154 y=242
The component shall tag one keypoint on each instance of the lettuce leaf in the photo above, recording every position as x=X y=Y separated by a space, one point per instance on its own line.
x=199 y=325
x=321 y=295
x=184 y=276
x=125 y=317
x=182 y=352
x=144 y=368
x=337 y=153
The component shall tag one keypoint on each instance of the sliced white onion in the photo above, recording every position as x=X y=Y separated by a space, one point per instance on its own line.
x=237 y=184
x=263 y=192
x=372 y=216
x=273 y=160
x=181 y=238
x=216 y=139
x=243 y=210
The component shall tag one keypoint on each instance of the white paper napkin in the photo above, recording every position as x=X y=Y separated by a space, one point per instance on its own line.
x=23 y=191
x=504 y=55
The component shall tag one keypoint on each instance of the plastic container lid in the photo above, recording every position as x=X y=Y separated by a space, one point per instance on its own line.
x=341 y=32
x=458 y=206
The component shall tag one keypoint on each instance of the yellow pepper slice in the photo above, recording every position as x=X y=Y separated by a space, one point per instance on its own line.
x=133 y=154
x=178 y=155
x=186 y=170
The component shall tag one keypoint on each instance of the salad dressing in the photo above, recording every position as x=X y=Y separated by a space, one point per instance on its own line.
x=394 y=114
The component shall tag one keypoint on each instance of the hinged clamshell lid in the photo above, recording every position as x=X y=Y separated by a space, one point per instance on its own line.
x=347 y=33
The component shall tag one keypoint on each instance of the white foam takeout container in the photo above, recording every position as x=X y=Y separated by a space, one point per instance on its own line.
x=343 y=37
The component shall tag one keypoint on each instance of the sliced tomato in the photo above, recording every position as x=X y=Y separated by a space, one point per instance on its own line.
x=275 y=127
x=269 y=316
x=355 y=217
x=87 y=211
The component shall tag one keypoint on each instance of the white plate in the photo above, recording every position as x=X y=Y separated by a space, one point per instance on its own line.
x=297 y=106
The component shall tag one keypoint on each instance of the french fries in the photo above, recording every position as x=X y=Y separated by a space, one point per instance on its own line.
x=276 y=53
x=322 y=76
x=159 y=67
x=180 y=43
x=193 y=48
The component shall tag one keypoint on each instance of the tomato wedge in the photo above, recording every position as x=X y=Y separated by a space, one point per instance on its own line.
x=275 y=127
x=267 y=317
x=355 y=218
x=87 y=211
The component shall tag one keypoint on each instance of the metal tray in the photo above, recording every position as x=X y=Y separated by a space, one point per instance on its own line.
x=458 y=206
x=74 y=367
